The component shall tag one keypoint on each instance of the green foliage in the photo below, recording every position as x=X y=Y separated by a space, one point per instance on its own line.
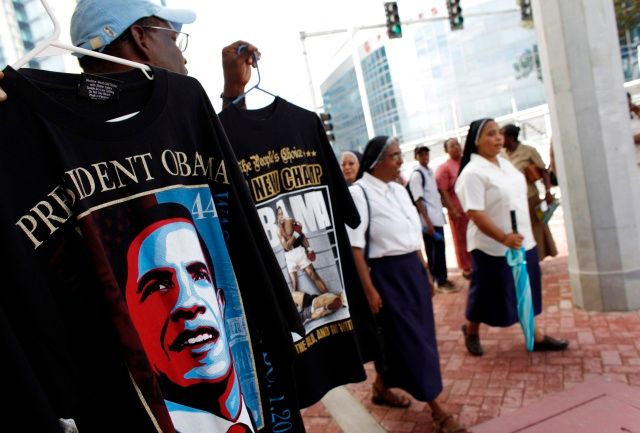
x=627 y=16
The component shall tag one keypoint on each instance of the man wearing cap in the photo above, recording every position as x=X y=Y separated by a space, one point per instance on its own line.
x=135 y=30
x=424 y=190
x=145 y=32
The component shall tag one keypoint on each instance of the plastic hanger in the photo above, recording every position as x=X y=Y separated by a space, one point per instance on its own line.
x=239 y=98
x=53 y=41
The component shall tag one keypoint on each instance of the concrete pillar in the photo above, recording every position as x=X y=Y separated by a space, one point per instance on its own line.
x=600 y=182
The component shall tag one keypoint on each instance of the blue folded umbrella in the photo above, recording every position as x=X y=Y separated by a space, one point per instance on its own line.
x=518 y=262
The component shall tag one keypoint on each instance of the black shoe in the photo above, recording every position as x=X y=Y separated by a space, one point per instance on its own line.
x=550 y=344
x=447 y=287
x=446 y=284
x=472 y=341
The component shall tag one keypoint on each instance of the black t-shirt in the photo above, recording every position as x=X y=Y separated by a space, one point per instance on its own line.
x=134 y=262
x=303 y=204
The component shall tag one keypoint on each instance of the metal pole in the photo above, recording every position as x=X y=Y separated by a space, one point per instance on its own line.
x=364 y=99
x=456 y=121
x=314 y=104
x=356 y=58
x=404 y=23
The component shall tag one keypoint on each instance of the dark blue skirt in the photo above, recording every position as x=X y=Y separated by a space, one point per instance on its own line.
x=410 y=351
x=492 y=292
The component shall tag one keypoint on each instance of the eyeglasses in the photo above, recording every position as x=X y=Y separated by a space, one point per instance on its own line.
x=182 y=38
x=395 y=156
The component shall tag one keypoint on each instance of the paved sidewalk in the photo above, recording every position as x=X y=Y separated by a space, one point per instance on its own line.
x=507 y=378
x=597 y=405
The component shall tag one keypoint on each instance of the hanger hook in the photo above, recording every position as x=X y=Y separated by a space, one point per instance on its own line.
x=239 y=51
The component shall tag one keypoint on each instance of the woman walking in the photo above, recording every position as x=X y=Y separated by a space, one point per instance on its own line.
x=387 y=251
x=446 y=176
x=489 y=188
x=526 y=158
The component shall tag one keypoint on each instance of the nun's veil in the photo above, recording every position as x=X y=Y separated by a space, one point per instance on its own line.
x=374 y=152
x=470 y=144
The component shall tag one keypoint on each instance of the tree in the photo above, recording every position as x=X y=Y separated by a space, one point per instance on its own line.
x=627 y=17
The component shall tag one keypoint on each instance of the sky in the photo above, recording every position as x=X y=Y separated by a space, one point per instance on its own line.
x=274 y=27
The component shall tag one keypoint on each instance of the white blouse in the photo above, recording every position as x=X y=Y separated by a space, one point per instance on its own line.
x=395 y=224
x=496 y=190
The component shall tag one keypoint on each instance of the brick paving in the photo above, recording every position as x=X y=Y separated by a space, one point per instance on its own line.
x=507 y=378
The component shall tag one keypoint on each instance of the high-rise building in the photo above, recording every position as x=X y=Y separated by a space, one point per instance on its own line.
x=434 y=80
x=10 y=44
x=342 y=99
x=24 y=23
x=385 y=114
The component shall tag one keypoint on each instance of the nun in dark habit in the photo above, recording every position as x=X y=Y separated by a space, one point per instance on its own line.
x=490 y=188
x=387 y=251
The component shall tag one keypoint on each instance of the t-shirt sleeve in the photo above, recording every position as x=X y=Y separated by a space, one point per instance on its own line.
x=357 y=234
x=470 y=190
x=443 y=178
x=415 y=185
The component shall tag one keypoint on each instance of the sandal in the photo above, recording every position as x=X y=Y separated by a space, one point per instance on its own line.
x=440 y=425
x=386 y=397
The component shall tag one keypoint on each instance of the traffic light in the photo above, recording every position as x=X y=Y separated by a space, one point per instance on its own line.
x=456 y=20
x=394 y=27
x=328 y=126
x=525 y=9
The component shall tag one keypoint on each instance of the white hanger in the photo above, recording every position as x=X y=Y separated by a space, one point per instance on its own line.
x=53 y=41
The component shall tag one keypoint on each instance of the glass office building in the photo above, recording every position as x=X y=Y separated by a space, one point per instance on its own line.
x=434 y=80
x=25 y=23
x=383 y=101
x=488 y=69
x=342 y=100
x=10 y=45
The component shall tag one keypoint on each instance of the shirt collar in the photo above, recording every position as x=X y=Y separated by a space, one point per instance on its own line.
x=375 y=183
x=422 y=167
x=484 y=162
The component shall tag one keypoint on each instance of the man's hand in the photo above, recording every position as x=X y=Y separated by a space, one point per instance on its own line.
x=236 y=67
x=3 y=95
x=430 y=229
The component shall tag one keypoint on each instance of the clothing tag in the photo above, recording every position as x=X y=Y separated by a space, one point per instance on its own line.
x=99 y=88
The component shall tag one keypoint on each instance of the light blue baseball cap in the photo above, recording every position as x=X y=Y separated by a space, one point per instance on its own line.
x=97 y=23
